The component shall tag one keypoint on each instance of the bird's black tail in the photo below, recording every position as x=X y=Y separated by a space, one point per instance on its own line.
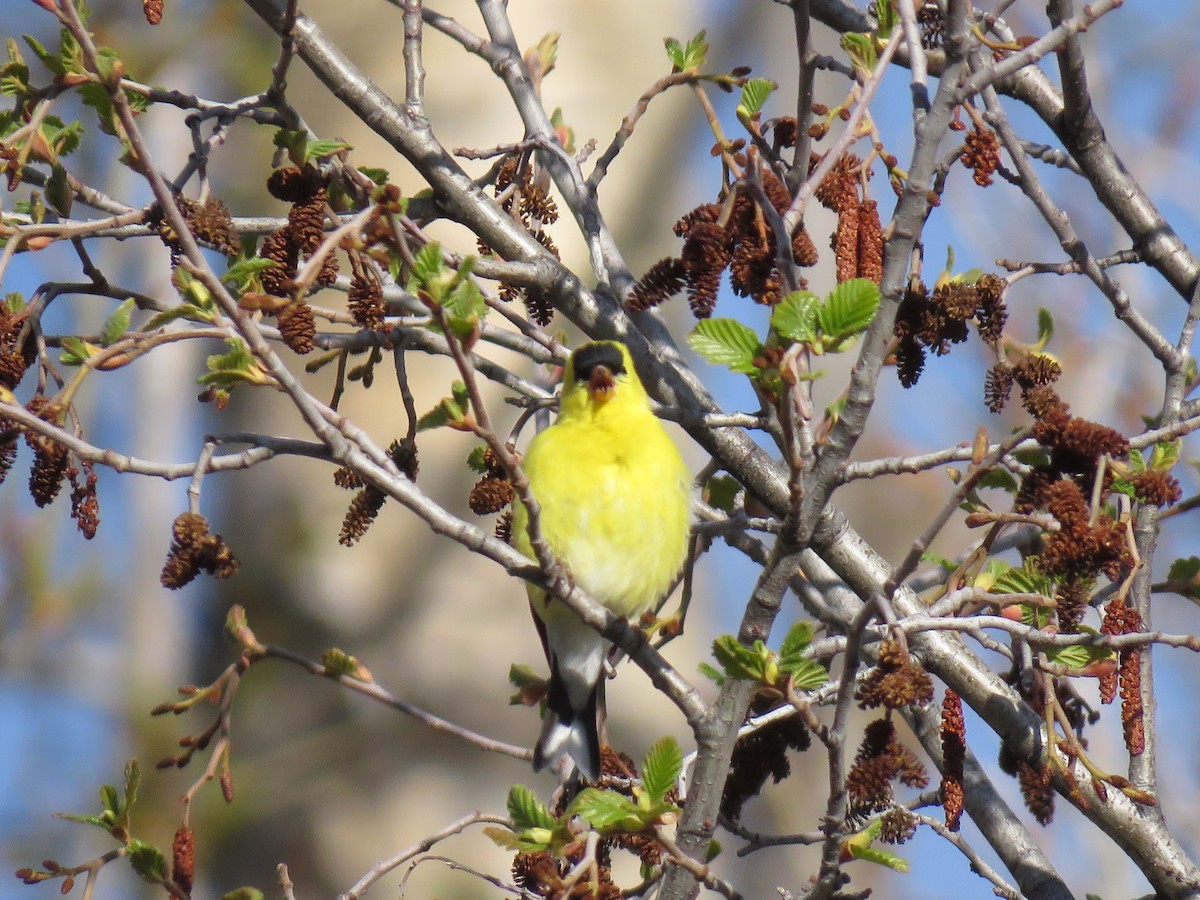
x=569 y=730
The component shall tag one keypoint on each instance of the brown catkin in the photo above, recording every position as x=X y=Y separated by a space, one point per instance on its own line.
x=845 y=243
x=306 y=222
x=8 y=446
x=539 y=305
x=981 y=154
x=194 y=548
x=298 y=327
x=365 y=302
x=897 y=680
x=490 y=495
x=870 y=241
x=991 y=315
x=665 y=278
x=183 y=859
x=1036 y=790
x=85 y=508
x=280 y=249
x=15 y=358
x=50 y=458
x=954 y=749
x=804 y=251
x=362 y=512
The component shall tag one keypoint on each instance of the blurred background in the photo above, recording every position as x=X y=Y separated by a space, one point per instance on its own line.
x=331 y=783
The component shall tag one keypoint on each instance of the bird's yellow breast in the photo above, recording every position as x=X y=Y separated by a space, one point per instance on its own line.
x=615 y=496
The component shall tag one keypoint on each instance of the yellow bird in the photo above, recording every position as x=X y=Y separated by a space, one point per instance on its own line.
x=615 y=499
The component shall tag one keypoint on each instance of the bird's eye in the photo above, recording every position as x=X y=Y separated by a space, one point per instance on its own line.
x=589 y=356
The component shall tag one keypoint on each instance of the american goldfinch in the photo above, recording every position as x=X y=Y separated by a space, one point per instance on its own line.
x=615 y=498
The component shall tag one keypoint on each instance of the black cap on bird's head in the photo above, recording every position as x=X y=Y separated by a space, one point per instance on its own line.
x=597 y=365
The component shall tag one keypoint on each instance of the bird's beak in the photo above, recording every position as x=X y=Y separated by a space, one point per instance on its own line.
x=601 y=385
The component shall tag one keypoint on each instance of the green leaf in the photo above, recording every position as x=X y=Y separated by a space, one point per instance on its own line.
x=1079 y=656
x=999 y=478
x=880 y=857
x=1185 y=569
x=833 y=411
x=661 y=768
x=192 y=289
x=685 y=58
x=674 y=53
x=108 y=65
x=712 y=672
x=1027 y=579
x=726 y=342
x=564 y=132
x=531 y=841
x=859 y=846
x=64 y=138
x=98 y=821
x=451 y=411
x=523 y=675
x=245 y=269
x=795 y=318
x=848 y=309
x=39 y=50
x=182 y=311
x=110 y=799
x=244 y=893
x=428 y=265
x=754 y=94
x=465 y=306
x=338 y=662
x=322 y=148
x=74 y=352
x=545 y=51
x=721 y=492
x=237 y=358
x=58 y=191
x=940 y=561
x=475 y=460
x=886 y=16
x=608 y=810
x=117 y=323
x=1165 y=455
x=1045 y=320
x=739 y=661
x=237 y=365
x=527 y=811
x=133 y=778
x=147 y=860
x=806 y=674
x=795 y=642
x=696 y=51
x=861 y=50
x=379 y=176
x=294 y=142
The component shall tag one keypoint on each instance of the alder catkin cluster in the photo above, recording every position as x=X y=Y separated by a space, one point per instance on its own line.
x=760 y=755
x=305 y=189
x=524 y=197
x=365 y=505
x=1121 y=619
x=880 y=762
x=933 y=321
x=194 y=549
